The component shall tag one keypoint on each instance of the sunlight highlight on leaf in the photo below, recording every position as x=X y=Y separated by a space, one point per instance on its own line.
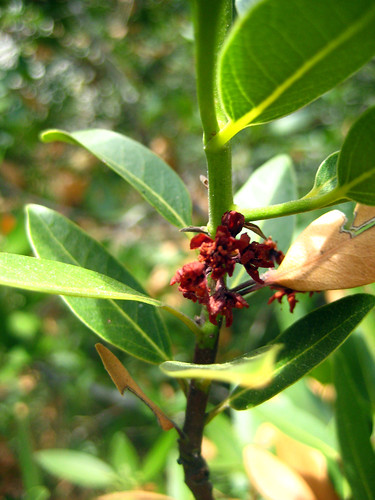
x=330 y=254
x=307 y=342
x=132 y=326
x=42 y=275
x=253 y=371
x=283 y=54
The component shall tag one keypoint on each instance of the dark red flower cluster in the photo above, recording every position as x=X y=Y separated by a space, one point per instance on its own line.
x=193 y=282
x=284 y=292
x=222 y=302
x=257 y=255
x=218 y=257
x=288 y=293
x=221 y=254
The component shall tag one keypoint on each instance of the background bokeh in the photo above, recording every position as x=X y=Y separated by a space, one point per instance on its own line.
x=123 y=65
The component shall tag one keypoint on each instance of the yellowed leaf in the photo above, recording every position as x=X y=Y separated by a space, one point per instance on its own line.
x=308 y=462
x=209 y=449
x=329 y=256
x=134 y=495
x=123 y=380
x=272 y=478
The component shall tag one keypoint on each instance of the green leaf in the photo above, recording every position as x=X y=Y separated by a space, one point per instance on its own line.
x=133 y=327
x=273 y=182
x=249 y=371
x=123 y=455
x=242 y=6
x=283 y=54
x=76 y=467
x=38 y=493
x=175 y=485
x=147 y=173
x=325 y=177
x=356 y=165
x=353 y=415
x=223 y=435
x=299 y=424
x=306 y=344
x=49 y=276
x=156 y=457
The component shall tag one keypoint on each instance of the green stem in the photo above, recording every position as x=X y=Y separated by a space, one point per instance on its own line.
x=217 y=410
x=290 y=207
x=220 y=196
x=191 y=324
x=212 y=19
x=224 y=136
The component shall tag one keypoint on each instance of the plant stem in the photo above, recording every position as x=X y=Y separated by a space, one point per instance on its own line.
x=220 y=197
x=212 y=19
x=291 y=207
x=195 y=467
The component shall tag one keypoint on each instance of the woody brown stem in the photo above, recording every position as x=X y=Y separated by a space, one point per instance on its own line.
x=190 y=445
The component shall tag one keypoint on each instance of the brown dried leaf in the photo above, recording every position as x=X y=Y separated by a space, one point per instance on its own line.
x=308 y=462
x=326 y=256
x=123 y=380
x=134 y=495
x=272 y=478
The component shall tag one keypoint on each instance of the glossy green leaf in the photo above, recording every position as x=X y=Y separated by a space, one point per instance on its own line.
x=356 y=165
x=326 y=177
x=76 y=467
x=49 y=276
x=306 y=344
x=146 y=172
x=273 y=182
x=283 y=54
x=353 y=416
x=134 y=327
x=248 y=371
x=242 y=6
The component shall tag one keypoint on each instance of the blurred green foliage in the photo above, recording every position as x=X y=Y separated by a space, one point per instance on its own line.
x=127 y=66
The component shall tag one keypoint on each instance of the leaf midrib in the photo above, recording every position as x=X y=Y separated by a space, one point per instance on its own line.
x=136 y=180
x=232 y=127
x=116 y=306
x=295 y=359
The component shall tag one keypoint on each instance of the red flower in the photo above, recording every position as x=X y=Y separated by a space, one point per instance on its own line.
x=222 y=302
x=234 y=221
x=257 y=255
x=199 y=239
x=218 y=257
x=193 y=282
x=221 y=254
x=290 y=294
